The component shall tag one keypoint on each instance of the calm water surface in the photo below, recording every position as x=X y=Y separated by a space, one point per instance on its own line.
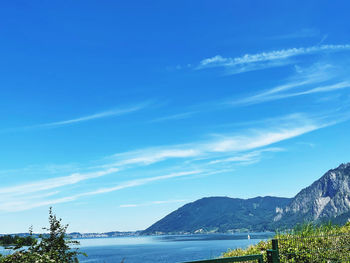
x=165 y=249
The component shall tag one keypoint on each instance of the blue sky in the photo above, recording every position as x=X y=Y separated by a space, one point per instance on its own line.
x=118 y=112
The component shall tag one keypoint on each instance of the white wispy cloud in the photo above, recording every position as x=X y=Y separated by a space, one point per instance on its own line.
x=153 y=203
x=260 y=138
x=25 y=204
x=304 y=76
x=192 y=160
x=302 y=83
x=139 y=182
x=94 y=116
x=272 y=55
x=154 y=155
x=249 y=62
x=270 y=97
x=99 y=115
x=327 y=88
x=178 y=116
x=279 y=129
x=249 y=157
x=53 y=183
x=21 y=204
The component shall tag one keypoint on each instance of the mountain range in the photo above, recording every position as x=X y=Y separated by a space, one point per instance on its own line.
x=327 y=199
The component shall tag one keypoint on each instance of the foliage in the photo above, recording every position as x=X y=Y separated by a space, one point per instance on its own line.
x=52 y=247
x=259 y=248
x=14 y=240
x=306 y=243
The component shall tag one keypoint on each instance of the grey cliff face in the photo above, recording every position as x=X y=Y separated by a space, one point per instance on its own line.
x=327 y=197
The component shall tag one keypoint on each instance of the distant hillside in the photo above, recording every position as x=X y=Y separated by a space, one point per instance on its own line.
x=327 y=199
x=221 y=214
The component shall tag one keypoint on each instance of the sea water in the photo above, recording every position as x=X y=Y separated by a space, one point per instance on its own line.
x=165 y=249
x=162 y=249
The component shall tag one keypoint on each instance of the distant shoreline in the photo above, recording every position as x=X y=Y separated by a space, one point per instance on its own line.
x=77 y=235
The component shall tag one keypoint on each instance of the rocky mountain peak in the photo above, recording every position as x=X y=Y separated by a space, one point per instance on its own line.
x=325 y=198
x=343 y=166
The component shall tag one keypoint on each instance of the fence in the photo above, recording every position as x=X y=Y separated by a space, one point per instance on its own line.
x=298 y=249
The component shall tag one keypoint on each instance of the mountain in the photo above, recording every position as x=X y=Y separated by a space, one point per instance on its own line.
x=327 y=199
x=341 y=219
x=221 y=214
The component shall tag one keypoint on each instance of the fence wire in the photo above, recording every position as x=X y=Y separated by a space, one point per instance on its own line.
x=315 y=249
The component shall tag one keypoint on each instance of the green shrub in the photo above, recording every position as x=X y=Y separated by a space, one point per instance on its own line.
x=13 y=240
x=52 y=248
x=306 y=243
